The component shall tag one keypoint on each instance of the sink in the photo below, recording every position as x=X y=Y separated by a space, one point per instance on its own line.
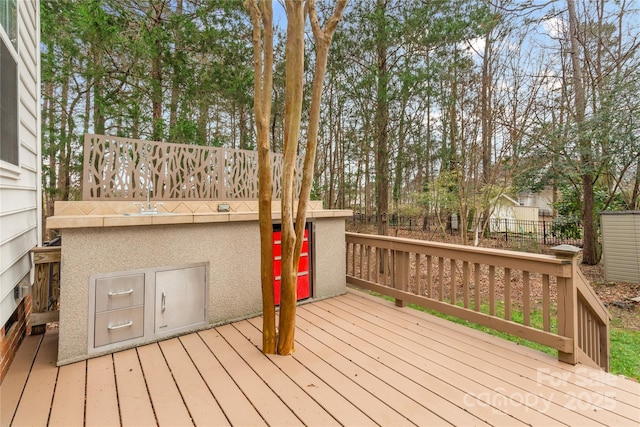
x=149 y=213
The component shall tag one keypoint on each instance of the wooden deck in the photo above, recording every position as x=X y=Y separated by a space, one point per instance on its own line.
x=358 y=361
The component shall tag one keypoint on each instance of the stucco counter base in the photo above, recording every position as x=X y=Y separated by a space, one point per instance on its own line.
x=231 y=248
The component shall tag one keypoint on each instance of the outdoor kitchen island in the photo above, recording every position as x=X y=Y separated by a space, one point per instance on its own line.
x=128 y=278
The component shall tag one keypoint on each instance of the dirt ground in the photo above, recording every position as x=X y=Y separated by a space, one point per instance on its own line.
x=615 y=295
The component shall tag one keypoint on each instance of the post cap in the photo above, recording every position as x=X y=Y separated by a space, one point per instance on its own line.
x=566 y=251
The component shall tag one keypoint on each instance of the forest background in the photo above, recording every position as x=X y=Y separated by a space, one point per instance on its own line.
x=431 y=107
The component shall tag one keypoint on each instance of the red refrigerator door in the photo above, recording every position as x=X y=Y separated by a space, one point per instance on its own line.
x=303 y=286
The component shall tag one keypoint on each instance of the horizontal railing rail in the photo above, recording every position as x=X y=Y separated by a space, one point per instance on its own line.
x=118 y=168
x=535 y=297
x=545 y=230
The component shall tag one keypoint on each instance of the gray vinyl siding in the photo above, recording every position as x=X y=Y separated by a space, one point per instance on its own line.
x=621 y=246
x=20 y=193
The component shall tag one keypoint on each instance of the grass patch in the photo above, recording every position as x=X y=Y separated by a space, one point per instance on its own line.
x=624 y=344
x=625 y=347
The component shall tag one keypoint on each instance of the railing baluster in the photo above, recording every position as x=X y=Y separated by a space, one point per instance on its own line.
x=476 y=286
x=429 y=277
x=589 y=343
x=385 y=267
x=368 y=256
x=440 y=278
x=587 y=329
x=353 y=259
x=594 y=333
x=465 y=283
x=580 y=326
x=596 y=341
x=507 y=293
x=526 y=299
x=376 y=268
x=452 y=283
x=492 y=290
x=545 y=303
x=418 y=286
x=346 y=254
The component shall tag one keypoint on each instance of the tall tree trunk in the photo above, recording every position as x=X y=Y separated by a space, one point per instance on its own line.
x=63 y=155
x=294 y=65
x=98 y=97
x=156 y=71
x=382 y=120
x=48 y=120
x=262 y=21
x=486 y=126
x=589 y=255
x=175 y=84
x=261 y=17
x=636 y=189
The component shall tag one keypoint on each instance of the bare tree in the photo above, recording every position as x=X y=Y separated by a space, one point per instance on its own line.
x=292 y=235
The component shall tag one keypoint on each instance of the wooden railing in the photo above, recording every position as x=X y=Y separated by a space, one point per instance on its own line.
x=540 y=298
x=46 y=287
x=592 y=325
x=122 y=168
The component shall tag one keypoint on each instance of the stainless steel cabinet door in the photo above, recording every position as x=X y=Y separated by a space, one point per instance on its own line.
x=179 y=298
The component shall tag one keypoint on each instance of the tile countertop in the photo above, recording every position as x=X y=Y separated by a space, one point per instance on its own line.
x=123 y=220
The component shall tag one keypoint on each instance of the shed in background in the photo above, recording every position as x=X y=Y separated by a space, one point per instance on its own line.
x=621 y=245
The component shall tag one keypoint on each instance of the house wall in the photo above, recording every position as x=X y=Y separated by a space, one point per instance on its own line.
x=621 y=246
x=542 y=200
x=525 y=213
x=20 y=207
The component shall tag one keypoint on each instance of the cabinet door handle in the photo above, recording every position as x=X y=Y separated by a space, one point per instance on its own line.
x=117 y=294
x=124 y=325
x=164 y=301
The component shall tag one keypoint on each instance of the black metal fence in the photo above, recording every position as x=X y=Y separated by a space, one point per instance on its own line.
x=545 y=231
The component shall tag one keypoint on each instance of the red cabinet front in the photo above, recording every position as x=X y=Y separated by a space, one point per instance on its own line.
x=303 y=289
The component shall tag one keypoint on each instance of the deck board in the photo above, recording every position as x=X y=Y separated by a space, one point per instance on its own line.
x=423 y=371
x=305 y=408
x=202 y=405
x=376 y=409
x=167 y=402
x=236 y=406
x=497 y=400
x=68 y=402
x=346 y=413
x=568 y=386
x=359 y=361
x=133 y=396
x=365 y=372
x=102 y=396
x=266 y=402
x=40 y=386
x=385 y=365
x=16 y=378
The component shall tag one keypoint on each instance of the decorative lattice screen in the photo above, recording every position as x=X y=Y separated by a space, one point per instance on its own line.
x=121 y=168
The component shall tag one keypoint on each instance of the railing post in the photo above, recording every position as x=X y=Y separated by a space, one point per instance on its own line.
x=568 y=302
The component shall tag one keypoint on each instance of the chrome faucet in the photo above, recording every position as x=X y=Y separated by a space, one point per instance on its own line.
x=148 y=209
x=148 y=200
